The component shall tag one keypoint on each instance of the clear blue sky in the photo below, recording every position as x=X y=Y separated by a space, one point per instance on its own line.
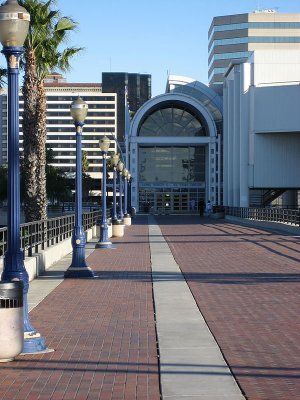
x=150 y=36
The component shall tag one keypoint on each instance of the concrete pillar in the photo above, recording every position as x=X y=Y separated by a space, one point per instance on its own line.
x=225 y=144
x=245 y=77
x=236 y=137
x=230 y=142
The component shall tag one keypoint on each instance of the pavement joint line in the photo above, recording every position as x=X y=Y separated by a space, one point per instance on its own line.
x=183 y=370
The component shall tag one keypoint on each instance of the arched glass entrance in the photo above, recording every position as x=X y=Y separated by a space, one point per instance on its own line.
x=173 y=142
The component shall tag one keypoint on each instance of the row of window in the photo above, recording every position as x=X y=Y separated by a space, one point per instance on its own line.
x=72 y=98
x=86 y=130
x=229 y=56
x=73 y=138
x=254 y=25
x=255 y=39
x=216 y=71
x=91 y=106
x=90 y=113
x=73 y=153
x=93 y=122
x=73 y=160
x=72 y=145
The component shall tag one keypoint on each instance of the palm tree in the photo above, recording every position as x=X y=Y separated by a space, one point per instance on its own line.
x=43 y=53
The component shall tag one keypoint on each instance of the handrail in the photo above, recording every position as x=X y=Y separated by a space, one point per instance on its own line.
x=275 y=214
x=45 y=233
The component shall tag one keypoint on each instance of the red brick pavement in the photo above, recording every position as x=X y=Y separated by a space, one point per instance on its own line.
x=102 y=330
x=246 y=282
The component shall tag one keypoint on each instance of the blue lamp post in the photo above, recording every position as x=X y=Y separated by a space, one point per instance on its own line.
x=120 y=171
x=14 y=25
x=115 y=159
x=103 y=242
x=127 y=216
x=129 y=180
x=125 y=174
x=78 y=267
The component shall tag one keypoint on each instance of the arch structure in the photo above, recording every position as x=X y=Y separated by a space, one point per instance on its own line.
x=174 y=149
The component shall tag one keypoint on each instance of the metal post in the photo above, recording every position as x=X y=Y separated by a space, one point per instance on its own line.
x=125 y=195
x=103 y=242
x=121 y=215
x=78 y=267
x=14 y=268
x=114 y=215
x=129 y=195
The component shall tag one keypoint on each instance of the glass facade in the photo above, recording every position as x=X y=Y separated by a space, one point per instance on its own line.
x=173 y=164
x=227 y=56
x=255 y=25
x=171 y=178
x=172 y=121
x=138 y=90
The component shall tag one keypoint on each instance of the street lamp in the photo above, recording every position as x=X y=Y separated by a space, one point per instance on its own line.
x=127 y=219
x=103 y=242
x=120 y=170
x=129 y=208
x=78 y=267
x=115 y=159
x=14 y=25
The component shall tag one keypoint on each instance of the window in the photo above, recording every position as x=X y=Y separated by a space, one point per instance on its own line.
x=172 y=121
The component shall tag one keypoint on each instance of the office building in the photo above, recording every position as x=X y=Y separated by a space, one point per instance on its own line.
x=138 y=88
x=101 y=120
x=235 y=37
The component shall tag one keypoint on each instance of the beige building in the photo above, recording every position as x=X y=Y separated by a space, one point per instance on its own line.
x=235 y=37
x=61 y=138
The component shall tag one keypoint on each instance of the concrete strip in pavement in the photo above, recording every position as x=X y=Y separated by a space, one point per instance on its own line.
x=191 y=363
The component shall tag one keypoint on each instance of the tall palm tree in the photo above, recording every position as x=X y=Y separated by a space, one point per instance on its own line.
x=43 y=53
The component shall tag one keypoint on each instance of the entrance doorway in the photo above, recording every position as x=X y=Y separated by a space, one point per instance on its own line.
x=171 y=202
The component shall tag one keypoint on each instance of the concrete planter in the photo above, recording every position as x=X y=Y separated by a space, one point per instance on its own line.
x=127 y=220
x=118 y=230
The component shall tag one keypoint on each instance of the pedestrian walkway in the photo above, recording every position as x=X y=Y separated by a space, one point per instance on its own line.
x=246 y=282
x=102 y=331
x=122 y=336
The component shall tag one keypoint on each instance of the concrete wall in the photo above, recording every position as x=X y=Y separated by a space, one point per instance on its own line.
x=43 y=260
x=261 y=125
x=276 y=108
x=276 y=161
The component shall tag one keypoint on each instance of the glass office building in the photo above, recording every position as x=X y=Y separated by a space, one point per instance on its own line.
x=174 y=148
x=138 y=92
x=235 y=37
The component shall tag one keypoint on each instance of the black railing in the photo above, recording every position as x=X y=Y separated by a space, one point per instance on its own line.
x=275 y=214
x=39 y=235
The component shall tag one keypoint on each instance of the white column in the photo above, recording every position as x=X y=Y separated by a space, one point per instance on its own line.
x=225 y=144
x=230 y=148
x=219 y=169
x=236 y=137
x=244 y=135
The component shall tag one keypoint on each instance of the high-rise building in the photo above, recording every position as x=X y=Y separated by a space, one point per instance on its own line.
x=234 y=37
x=61 y=138
x=138 y=89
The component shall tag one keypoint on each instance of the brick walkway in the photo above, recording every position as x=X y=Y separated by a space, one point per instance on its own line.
x=246 y=282
x=102 y=330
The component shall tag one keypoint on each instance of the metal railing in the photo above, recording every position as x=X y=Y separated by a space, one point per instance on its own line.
x=39 y=235
x=275 y=214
